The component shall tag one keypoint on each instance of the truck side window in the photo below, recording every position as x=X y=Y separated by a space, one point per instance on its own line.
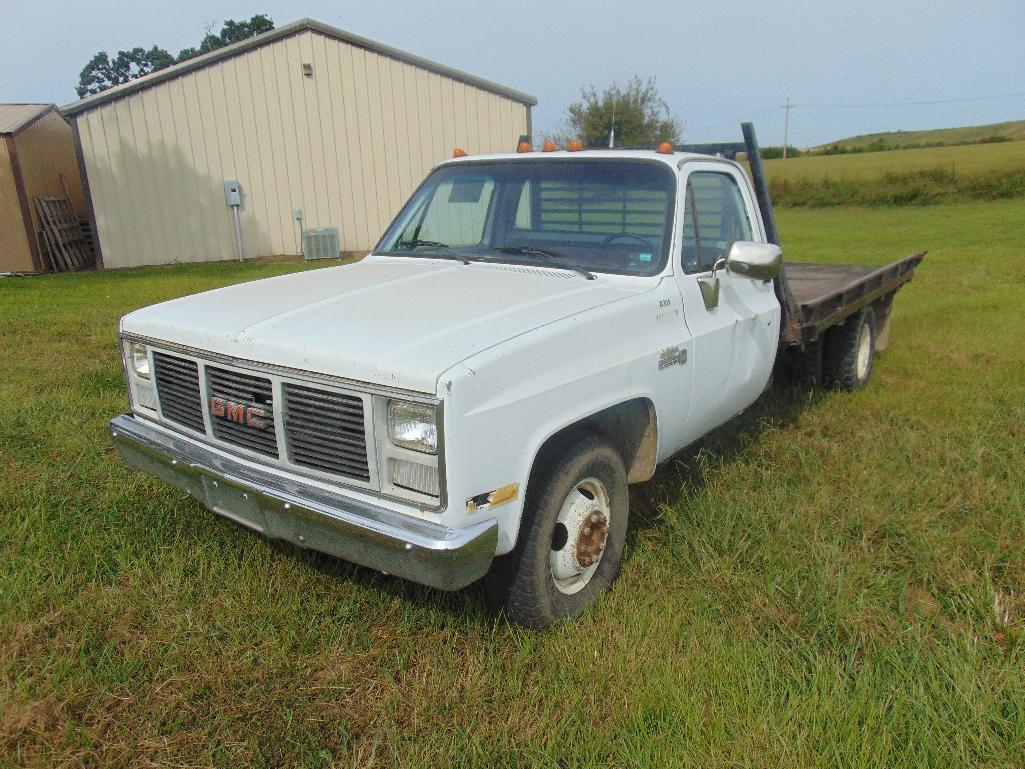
x=714 y=216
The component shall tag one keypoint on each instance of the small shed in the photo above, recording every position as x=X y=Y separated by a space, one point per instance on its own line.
x=37 y=159
x=303 y=129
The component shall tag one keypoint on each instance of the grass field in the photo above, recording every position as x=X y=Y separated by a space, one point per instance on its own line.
x=936 y=175
x=966 y=159
x=830 y=580
x=1012 y=129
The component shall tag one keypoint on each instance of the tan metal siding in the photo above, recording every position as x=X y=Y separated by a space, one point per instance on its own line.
x=347 y=146
x=15 y=255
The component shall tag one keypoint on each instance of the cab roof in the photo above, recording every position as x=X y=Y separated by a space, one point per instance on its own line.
x=672 y=160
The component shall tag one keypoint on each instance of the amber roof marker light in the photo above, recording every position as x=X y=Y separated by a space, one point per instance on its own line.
x=525 y=147
x=548 y=146
x=575 y=145
x=459 y=152
x=665 y=148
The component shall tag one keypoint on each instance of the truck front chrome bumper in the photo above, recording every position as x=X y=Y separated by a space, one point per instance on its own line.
x=309 y=516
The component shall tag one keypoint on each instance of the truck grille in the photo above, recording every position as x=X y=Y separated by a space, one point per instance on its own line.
x=246 y=415
x=325 y=430
x=320 y=429
x=177 y=382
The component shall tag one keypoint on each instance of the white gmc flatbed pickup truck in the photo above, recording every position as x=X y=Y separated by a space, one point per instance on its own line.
x=534 y=332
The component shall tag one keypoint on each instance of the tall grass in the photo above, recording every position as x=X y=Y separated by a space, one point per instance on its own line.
x=969 y=159
x=923 y=187
x=829 y=580
x=947 y=174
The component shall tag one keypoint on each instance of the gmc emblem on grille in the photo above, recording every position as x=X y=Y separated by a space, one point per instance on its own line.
x=250 y=416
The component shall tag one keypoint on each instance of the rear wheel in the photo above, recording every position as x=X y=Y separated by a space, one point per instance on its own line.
x=571 y=536
x=850 y=352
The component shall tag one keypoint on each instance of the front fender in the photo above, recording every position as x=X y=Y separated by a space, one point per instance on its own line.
x=505 y=402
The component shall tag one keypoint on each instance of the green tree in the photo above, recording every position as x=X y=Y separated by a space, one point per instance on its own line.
x=103 y=72
x=232 y=32
x=642 y=117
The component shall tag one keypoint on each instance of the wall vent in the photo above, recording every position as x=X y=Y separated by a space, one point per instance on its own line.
x=321 y=243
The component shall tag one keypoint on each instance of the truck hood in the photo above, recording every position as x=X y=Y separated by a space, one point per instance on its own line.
x=389 y=321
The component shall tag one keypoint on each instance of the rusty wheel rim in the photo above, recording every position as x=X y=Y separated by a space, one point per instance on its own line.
x=580 y=536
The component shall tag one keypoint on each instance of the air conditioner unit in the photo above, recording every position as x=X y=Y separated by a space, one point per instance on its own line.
x=321 y=243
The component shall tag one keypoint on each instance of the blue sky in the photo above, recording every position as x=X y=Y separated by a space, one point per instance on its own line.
x=715 y=63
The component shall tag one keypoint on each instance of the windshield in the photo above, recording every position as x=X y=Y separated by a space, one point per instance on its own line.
x=605 y=215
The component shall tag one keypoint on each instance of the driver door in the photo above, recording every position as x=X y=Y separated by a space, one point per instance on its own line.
x=735 y=338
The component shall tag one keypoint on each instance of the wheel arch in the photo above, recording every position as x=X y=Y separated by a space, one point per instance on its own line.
x=630 y=427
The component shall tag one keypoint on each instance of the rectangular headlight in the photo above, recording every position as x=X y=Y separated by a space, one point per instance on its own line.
x=413 y=426
x=139 y=355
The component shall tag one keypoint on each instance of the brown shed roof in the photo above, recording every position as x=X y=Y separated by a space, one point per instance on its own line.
x=14 y=117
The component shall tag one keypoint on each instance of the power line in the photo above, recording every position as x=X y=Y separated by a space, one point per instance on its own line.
x=916 y=103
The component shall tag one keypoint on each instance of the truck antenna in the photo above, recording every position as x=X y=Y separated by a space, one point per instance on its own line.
x=616 y=93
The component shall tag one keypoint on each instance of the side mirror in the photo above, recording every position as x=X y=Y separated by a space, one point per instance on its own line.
x=758 y=261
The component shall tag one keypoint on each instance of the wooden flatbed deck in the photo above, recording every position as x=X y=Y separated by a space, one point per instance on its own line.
x=825 y=294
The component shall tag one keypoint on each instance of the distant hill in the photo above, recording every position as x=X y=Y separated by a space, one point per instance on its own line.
x=1013 y=130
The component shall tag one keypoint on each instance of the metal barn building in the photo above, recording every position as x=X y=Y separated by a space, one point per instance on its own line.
x=310 y=120
x=37 y=159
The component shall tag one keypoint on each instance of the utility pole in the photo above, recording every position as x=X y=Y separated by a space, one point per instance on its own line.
x=786 y=125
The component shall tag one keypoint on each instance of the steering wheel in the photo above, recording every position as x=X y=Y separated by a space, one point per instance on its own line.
x=609 y=238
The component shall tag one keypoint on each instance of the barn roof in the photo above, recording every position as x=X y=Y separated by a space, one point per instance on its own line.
x=14 y=117
x=296 y=27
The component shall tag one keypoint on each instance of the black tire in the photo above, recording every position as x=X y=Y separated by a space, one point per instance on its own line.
x=840 y=364
x=522 y=583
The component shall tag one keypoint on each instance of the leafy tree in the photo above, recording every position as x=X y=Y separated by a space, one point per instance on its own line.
x=232 y=32
x=102 y=72
x=642 y=116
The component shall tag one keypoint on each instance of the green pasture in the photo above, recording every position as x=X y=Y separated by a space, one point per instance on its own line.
x=829 y=580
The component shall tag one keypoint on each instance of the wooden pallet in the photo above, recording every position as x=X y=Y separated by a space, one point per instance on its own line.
x=65 y=248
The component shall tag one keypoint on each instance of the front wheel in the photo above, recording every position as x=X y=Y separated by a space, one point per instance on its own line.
x=571 y=536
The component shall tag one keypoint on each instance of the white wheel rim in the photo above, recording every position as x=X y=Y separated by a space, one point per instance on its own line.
x=580 y=536
x=864 y=351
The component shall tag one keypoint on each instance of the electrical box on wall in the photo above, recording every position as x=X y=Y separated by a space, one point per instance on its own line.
x=232 y=193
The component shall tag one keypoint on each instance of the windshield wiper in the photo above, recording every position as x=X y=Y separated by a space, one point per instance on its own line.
x=416 y=243
x=442 y=248
x=545 y=254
